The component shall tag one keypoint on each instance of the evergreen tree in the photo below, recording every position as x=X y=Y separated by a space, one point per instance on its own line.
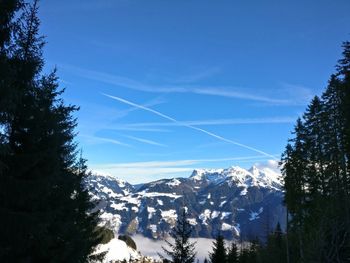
x=8 y=10
x=343 y=73
x=316 y=174
x=232 y=255
x=278 y=236
x=43 y=204
x=244 y=256
x=183 y=251
x=219 y=251
x=274 y=250
x=294 y=162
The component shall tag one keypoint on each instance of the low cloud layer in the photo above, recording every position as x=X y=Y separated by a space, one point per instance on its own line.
x=149 y=247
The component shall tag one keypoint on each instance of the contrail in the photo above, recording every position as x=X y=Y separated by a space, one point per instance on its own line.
x=188 y=126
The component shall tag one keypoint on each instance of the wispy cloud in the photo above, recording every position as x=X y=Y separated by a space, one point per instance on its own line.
x=101 y=117
x=179 y=163
x=153 y=164
x=135 y=129
x=301 y=94
x=228 y=92
x=146 y=141
x=138 y=172
x=271 y=120
x=96 y=140
x=189 y=126
x=198 y=76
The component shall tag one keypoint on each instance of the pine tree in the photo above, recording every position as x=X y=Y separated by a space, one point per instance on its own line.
x=343 y=73
x=183 y=251
x=232 y=255
x=8 y=103
x=274 y=250
x=43 y=204
x=219 y=251
x=294 y=162
x=244 y=256
x=316 y=172
x=278 y=235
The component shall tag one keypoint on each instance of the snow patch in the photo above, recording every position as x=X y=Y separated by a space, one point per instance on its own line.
x=222 y=203
x=205 y=216
x=120 y=206
x=157 y=194
x=215 y=214
x=153 y=228
x=225 y=215
x=243 y=192
x=174 y=182
x=255 y=215
x=192 y=221
x=111 y=221
x=226 y=227
x=117 y=250
x=169 y=216
x=151 y=211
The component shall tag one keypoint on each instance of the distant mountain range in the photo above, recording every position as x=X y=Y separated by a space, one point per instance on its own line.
x=238 y=203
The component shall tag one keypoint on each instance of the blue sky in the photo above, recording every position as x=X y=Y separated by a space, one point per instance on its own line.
x=168 y=86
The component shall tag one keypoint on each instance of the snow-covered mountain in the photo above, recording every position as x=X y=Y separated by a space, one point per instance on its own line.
x=236 y=202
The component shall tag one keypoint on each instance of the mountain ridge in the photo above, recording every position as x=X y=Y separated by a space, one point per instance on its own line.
x=235 y=202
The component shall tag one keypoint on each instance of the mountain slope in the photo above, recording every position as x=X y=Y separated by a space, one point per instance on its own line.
x=236 y=202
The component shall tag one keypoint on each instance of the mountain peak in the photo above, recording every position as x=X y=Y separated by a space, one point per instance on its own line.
x=263 y=177
x=228 y=200
x=200 y=174
x=254 y=170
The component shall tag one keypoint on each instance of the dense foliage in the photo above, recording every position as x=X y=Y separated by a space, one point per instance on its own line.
x=316 y=167
x=43 y=206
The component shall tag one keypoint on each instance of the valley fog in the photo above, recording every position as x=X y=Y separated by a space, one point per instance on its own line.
x=150 y=247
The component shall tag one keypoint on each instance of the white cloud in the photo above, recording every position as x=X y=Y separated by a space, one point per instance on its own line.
x=151 y=247
x=270 y=164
